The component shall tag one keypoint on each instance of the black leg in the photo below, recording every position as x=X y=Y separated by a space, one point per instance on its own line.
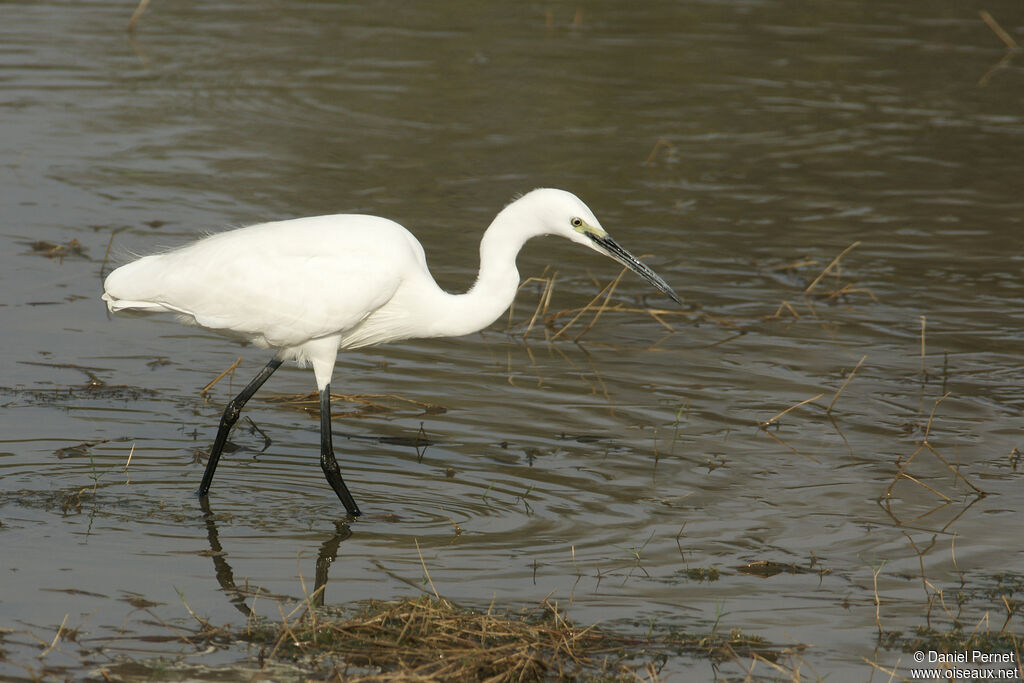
x=327 y=459
x=229 y=418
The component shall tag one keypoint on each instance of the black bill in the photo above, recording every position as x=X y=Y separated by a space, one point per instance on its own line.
x=612 y=248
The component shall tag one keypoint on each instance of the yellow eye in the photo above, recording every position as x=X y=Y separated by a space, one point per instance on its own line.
x=576 y=222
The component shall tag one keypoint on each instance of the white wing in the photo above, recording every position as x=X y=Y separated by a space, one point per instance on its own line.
x=276 y=284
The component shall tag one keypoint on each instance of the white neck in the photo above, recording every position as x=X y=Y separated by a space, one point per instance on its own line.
x=497 y=281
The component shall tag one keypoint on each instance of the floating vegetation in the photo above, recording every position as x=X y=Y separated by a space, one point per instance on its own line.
x=82 y=449
x=431 y=639
x=998 y=595
x=701 y=574
x=956 y=639
x=424 y=639
x=824 y=289
x=92 y=388
x=365 y=404
x=59 y=396
x=57 y=251
x=94 y=499
x=973 y=616
x=555 y=324
x=769 y=568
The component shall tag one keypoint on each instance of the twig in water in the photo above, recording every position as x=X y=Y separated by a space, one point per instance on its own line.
x=952 y=551
x=202 y=622
x=764 y=424
x=1010 y=611
x=931 y=417
x=230 y=368
x=1007 y=58
x=789 y=446
x=955 y=470
x=137 y=14
x=604 y=305
x=923 y=371
x=1007 y=39
x=584 y=310
x=60 y=631
x=662 y=143
x=850 y=289
x=878 y=601
x=892 y=672
x=938 y=493
x=425 y=571
x=1011 y=47
x=266 y=439
x=110 y=243
x=831 y=265
x=926 y=445
x=785 y=305
x=542 y=303
x=848 y=378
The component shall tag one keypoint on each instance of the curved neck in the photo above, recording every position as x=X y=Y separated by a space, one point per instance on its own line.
x=497 y=282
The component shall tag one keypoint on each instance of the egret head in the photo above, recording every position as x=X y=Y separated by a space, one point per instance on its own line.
x=563 y=213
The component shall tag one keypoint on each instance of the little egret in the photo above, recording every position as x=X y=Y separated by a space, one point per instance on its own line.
x=309 y=287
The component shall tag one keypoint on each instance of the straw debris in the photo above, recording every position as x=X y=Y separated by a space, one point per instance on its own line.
x=53 y=250
x=364 y=404
x=427 y=639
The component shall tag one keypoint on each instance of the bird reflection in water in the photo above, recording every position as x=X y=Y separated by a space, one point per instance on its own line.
x=239 y=595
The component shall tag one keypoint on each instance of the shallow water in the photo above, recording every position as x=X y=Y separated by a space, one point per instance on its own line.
x=741 y=145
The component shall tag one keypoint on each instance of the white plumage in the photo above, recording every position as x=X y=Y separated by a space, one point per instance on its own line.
x=280 y=285
x=311 y=286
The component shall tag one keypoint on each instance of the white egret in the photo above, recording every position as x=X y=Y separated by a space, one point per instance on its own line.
x=309 y=287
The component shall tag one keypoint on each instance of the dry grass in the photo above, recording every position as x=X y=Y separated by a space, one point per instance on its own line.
x=847 y=381
x=832 y=266
x=769 y=421
x=230 y=370
x=821 y=288
x=581 y=320
x=926 y=445
x=428 y=639
x=1012 y=48
x=57 y=251
x=136 y=15
x=364 y=404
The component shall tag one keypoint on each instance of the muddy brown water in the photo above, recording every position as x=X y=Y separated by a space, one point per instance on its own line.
x=741 y=145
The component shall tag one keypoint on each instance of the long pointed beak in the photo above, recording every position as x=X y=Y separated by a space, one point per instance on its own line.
x=613 y=249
